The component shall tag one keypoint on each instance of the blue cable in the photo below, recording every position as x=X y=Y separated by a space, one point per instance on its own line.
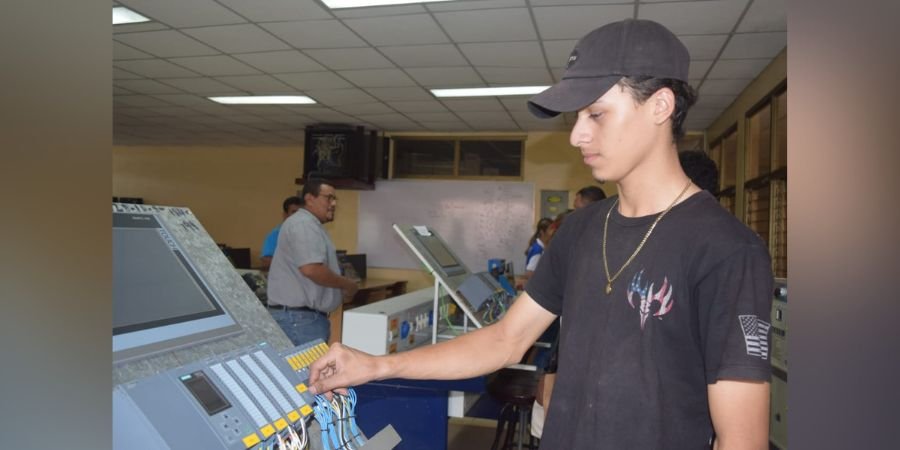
x=324 y=425
x=351 y=401
x=328 y=414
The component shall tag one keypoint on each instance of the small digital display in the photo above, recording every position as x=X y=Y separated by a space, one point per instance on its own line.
x=438 y=251
x=205 y=393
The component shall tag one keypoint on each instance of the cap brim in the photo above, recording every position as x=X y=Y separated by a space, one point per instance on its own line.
x=570 y=94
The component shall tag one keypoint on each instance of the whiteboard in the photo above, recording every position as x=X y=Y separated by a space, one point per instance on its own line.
x=479 y=220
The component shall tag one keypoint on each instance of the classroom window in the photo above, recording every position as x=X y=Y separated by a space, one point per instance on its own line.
x=498 y=158
x=765 y=210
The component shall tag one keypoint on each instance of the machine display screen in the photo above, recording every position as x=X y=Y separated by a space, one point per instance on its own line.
x=205 y=393
x=153 y=283
x=438 y=251
x=160 y=300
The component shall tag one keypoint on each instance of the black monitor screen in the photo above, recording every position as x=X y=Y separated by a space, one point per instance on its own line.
x=205 y=393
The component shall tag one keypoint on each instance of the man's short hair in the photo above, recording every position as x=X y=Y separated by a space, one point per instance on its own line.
x=292 y=200
x=701 y=169
x=642 y=88
x=312 y=186
x=591 y=193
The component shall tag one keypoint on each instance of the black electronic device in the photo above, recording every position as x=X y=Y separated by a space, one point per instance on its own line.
x=347 y=157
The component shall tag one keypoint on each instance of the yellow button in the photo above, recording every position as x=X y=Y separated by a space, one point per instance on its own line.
x=267 y=431
x=301 y=388
x=298 y=362
x=280 y=424
x=293 y=416
x=293 y=364
x=250 y=440
x=306 y=410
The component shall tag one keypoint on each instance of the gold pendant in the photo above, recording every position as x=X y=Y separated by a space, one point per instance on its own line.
x=608 y=288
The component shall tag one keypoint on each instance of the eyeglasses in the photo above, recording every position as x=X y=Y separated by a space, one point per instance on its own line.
x=330 y=197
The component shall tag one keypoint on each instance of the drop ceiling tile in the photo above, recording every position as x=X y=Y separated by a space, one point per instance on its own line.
x=176 y=111
x=522 y=75
x=558 y=51
x=765 y=15
x=146 y=87
x=329 y=116
x=573 y=22
x=277 y=10
x=714 y=101
x=377 y=78
x=517 y=104
x=390 y=94
x=211 y=107
x=121 y=91
x=200 y=85
x=119 y=74
x=340 y=97
x=242 y=38
x=168 y=43
x=700 y=17
x=738 y=68
x=350 y=58
x=417 y=29
x=185 y=13
x=474 y=4
x=280 y=62
x=155 y=68
x=473 y=118
x=575 y=2
x=315 y=34
x=698 y=68
x=422 y=106
x=257 y=84
x=215 y=65
x=473 y=104
x=138 y=113
x=436 y=77
x=423 y=117
x=138 y=100
x=723 y=87
x=490 y=25
x=705 y=46
x=445 y=125
x=122 y=52
x=366 y=108
x=313 y=80
x=755 y=45
x=498 y=125
x=440 y=55
x=504 y=54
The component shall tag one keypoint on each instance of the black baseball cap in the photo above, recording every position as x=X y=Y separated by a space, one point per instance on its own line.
x=631 y=47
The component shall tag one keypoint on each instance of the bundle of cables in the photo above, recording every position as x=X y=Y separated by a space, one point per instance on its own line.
x=291 y=438
x=337 y=420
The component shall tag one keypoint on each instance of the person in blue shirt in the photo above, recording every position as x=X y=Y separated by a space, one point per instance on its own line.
x=289 y=206
x=536 y=244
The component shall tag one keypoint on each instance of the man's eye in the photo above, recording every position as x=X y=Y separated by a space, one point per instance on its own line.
x=594 y=115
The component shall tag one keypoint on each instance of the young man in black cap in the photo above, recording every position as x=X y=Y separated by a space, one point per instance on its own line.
x=666 y=296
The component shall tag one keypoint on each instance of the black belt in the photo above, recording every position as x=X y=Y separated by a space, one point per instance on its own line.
x=296 y=308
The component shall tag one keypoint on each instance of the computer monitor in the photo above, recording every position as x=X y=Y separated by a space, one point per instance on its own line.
x=441 y=255
x=160 y=299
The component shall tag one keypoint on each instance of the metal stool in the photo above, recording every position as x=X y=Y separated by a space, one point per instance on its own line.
x=515 y=389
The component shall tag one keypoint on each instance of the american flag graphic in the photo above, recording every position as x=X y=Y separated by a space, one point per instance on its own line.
x=756 y=336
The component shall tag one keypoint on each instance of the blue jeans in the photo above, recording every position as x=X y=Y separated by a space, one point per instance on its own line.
x=302 y=326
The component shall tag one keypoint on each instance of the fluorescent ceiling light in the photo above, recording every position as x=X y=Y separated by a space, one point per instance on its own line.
x=265 y=100
x=122 y=15
x=337 y=4
x=489 y=92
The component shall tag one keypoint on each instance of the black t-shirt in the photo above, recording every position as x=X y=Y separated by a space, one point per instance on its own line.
x=692 y=308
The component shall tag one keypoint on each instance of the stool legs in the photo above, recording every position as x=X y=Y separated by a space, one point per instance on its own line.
x=514 y=424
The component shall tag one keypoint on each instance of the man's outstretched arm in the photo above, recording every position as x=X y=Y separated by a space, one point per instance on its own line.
x=476 y=353
x=740 y=414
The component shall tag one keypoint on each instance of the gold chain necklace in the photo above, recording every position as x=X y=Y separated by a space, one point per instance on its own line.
x=611 y=279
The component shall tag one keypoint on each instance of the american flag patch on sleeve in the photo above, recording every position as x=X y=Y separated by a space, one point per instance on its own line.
x=756 y=336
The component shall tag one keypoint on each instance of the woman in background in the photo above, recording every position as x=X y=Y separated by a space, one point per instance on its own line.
x=539 y=240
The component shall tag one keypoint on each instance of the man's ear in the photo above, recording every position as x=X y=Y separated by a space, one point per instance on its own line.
x=663 y=105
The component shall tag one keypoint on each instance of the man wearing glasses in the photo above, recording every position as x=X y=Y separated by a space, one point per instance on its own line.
x=305 y=282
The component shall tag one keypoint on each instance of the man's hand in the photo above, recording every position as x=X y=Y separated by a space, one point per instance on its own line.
x=342 y=367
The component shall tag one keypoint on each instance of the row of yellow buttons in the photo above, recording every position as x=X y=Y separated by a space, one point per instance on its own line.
x=252 y=439
x=306 y=357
